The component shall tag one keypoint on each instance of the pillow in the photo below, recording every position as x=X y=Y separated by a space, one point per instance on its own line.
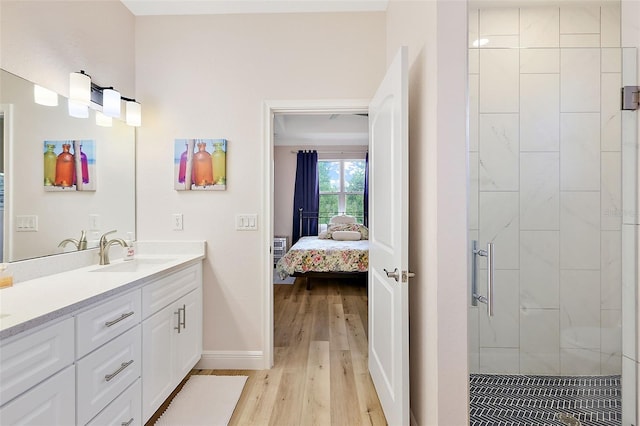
x=342 y=219
x=356 y=227
x=346 y=235
x=324 y=235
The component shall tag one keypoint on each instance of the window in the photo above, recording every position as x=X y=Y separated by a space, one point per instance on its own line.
x=341 y=188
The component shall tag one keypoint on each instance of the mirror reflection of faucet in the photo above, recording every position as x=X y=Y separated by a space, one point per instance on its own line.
x=80 y=244
x=104 y=245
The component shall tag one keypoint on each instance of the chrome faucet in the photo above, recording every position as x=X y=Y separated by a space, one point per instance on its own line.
x=80 y=244
x=105 y=244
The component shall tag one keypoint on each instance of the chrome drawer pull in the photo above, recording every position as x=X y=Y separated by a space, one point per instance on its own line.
x=179 y=323
x=117 y=320
x=127 y=423
x=118 y=371
x=184 y=316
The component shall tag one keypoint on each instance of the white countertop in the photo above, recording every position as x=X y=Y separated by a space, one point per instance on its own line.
x=34 y=302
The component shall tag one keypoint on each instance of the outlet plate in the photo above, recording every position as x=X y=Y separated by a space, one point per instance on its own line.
x=178 y=224
x=94 y=222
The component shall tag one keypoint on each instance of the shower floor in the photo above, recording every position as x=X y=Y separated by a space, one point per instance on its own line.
x=510 y=400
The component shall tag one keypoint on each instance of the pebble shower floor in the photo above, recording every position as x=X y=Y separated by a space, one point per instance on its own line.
x=515 y=400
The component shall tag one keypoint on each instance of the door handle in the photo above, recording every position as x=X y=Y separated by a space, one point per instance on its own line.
x=395 y=274
x=475 y=297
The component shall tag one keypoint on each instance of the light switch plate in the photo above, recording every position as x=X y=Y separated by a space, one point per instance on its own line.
x=26 y=223
x=247 y=222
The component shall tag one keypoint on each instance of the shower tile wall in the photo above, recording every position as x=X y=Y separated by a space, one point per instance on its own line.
x=545 y=169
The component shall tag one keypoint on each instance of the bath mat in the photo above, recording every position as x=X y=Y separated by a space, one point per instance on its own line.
x=204 y=400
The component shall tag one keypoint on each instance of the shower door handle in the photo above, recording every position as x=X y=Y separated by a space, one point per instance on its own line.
x=475 y=297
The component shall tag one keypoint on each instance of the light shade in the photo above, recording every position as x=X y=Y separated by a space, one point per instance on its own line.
x=44 y=96
x=111 y=103
x=103 y=120
x=80 y=88
x=78 y=110
x=134 y=113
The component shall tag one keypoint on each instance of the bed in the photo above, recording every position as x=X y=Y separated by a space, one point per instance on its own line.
x=340 y=251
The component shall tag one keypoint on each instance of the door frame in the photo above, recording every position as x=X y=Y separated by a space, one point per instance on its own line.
x=269 y=108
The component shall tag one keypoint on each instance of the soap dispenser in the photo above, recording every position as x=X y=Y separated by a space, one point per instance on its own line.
x=6 y=277
x=129 y=250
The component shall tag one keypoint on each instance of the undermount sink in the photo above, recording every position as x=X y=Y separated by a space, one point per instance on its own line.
x=134 y=265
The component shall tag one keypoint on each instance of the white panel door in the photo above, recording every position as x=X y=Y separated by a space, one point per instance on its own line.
x=388 y=242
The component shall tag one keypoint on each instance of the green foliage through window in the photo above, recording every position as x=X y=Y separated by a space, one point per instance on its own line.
x=341 y=188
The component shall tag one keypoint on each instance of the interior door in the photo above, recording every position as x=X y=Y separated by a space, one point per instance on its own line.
x=388 y=242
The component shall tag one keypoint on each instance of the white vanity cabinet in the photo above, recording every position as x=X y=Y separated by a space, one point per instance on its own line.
x=171 y=334
x=37 y=377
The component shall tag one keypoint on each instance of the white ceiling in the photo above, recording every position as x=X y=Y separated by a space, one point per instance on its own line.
x=211 y=7
x=321 y=129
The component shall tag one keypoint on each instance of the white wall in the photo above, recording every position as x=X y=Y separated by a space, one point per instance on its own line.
x=435 y=33
x=545 y=161
x=207 y=76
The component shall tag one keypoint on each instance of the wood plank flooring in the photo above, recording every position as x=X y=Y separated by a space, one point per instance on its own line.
x=320 y=376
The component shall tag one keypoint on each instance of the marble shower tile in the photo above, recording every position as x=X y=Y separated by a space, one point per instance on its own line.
x=579 y=20
x=611 y=270
x=539 y=190
x=580 y=230
x=474 y=61
x=474 y=339
x=580 y=309
x=580 y=362
x=580 y=152
x=611 y=342
x=540 y=61
x=499 y=80
x=579 y=40
x=539 y=112
x=540 y=269
x=630 y=235
x=473 y=190
x=539 y=27
x=473 y=17
x=610 y=25
x=499 y=223
x=501 y=330
x=499 y=152
x=474 y=115
x=539 y=341
x=579 y=80
x=499 y=21
x=610 y=116
x=499 y=360
x=611 y=59
x=611 y=191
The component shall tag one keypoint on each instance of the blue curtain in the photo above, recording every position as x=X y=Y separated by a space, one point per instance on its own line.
x=365 y=207
x=306 y=194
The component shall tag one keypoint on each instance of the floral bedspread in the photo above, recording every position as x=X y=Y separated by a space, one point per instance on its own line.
x=311 y=254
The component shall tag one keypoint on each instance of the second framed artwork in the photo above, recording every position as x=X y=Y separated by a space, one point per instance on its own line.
x=200 y=165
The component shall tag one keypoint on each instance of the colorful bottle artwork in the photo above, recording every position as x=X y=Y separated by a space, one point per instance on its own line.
x=84 y=165
x=50 y=158
x=218 y=159
x=65 y=167
x=202 y=165
x=182 y=171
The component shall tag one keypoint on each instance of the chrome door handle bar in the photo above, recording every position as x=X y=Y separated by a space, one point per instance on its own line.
x=488 y=299
x=395 y=274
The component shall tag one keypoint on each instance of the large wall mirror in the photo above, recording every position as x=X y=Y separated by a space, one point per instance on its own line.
x=60 y=213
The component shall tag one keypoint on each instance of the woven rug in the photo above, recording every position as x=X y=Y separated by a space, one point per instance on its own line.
x=204 y=400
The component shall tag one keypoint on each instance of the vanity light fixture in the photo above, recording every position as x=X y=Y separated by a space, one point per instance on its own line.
x=80 y=87
x=133 y=112
x=78 y=110
x=111 y=102
x=103 y=120
x=44 y=96
x=106 y=100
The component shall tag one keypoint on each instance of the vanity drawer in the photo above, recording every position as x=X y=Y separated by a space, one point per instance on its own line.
x=28 y=360
x=105 y=373
x=166 y=290
x=107 y=320
x=124 y=410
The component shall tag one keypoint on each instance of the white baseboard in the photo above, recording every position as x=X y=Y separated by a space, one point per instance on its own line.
x=231 y=360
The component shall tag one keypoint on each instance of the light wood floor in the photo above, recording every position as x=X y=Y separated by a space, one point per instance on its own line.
x=320 y=376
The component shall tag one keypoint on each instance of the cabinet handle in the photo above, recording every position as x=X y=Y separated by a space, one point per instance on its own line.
x=127 y=423
x=117 y=320
x=118 y=371
x=184 y=316
x=179 y=323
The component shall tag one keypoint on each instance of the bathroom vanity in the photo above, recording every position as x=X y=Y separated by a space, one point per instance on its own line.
x=100 y=344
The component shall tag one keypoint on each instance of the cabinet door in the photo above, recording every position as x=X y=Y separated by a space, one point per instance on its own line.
x=189 y=348
x=53 y=402
x=159 y=336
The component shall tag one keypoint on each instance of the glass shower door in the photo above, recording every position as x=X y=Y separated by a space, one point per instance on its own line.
x=545 y=158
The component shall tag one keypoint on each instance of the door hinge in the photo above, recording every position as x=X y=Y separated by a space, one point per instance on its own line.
x=406 y=275
x=630 y=98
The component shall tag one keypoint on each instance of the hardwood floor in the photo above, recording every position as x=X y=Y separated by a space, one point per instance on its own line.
x=320 y=376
